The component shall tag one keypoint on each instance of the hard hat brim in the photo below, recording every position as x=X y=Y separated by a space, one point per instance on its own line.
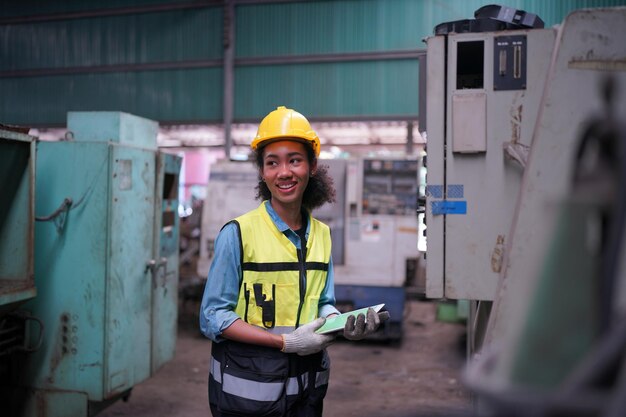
x=266 y=141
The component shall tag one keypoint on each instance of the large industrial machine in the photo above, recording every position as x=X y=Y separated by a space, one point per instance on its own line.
x=105 y=262
x=525 y=205
x=373 y=223
x=381 y=236
x=483 y=91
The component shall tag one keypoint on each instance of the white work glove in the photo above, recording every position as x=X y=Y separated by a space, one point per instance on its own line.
x=304 y=341
x=357 y=328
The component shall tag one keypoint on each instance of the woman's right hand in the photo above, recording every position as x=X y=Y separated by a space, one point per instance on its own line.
x=304 y=341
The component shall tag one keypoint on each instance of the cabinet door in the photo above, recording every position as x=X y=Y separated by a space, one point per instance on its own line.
x=165 y=270
x=490 y=129
x=70 y=269
x=127 y=340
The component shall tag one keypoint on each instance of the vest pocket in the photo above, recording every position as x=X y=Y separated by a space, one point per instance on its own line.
x=311 y=309
x=287 y=302
x=260 y=299
x=268 y=307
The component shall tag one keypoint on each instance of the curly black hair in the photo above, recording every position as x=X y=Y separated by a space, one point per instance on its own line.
x=320 y=189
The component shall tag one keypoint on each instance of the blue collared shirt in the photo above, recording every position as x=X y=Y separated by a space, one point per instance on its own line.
x=221 y=291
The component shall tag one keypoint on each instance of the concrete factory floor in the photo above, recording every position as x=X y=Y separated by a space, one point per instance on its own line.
x=418 y=377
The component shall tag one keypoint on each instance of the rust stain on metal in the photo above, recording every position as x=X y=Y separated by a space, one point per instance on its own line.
x=516 y=123
x=498 y=254
x=84 y=366
x=597 y=64
x=60 y=345
x=146 y=174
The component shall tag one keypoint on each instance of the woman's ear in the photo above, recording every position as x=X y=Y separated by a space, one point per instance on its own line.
x=314 y=167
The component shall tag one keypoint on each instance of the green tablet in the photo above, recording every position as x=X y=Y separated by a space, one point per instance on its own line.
x=337 y=323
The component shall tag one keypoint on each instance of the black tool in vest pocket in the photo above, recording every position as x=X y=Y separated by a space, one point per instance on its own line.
x=268 y=307
x=246 y=294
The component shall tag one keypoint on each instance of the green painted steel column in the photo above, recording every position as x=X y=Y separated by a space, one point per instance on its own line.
x=229 y=61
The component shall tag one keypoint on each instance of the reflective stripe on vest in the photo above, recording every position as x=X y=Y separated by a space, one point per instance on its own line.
x=277 y=283
x=263 y=391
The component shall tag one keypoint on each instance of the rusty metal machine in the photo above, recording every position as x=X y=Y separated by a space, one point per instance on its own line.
x=105 y=268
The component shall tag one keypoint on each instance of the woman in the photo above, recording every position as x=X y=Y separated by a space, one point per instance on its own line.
x=270 y=285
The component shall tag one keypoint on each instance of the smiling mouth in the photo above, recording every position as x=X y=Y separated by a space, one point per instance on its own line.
x=286 y=186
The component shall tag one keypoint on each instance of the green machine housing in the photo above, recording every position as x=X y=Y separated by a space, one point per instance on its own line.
x=106 y=265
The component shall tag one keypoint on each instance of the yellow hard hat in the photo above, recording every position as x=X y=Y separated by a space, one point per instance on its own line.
x=286 y=123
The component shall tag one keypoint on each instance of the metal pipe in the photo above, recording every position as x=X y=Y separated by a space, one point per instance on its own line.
x=229 y=61
x=354 y=118
x=254 y=2
x=340 y=57
x=421 y=105
x=116 y=11
x=409 y=138
x=149 y=66
x=214 y=63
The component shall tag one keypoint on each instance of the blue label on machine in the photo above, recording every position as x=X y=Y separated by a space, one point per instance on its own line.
x=452 y=191
x=448 y=207
x=455 y=191
x=434 y=191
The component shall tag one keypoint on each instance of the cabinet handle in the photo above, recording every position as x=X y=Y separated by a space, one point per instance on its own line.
x=153 y=266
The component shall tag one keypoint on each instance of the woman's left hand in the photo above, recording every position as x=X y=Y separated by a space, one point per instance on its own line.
x=358 y=328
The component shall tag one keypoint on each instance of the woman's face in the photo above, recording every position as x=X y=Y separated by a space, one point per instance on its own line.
x=286 y=171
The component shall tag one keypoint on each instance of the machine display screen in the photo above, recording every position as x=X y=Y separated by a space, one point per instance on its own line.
x=390 y=186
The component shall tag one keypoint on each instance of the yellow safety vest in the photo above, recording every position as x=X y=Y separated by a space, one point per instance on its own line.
x=280 y=290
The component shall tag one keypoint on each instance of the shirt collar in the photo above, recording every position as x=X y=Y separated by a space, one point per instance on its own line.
x=280 y=224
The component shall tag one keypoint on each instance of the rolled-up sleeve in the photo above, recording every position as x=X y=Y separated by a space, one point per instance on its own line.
x=221 y=291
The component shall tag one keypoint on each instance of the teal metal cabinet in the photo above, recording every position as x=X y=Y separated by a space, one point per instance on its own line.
x=17 y=192
x=105 y=269
x=165 y=270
